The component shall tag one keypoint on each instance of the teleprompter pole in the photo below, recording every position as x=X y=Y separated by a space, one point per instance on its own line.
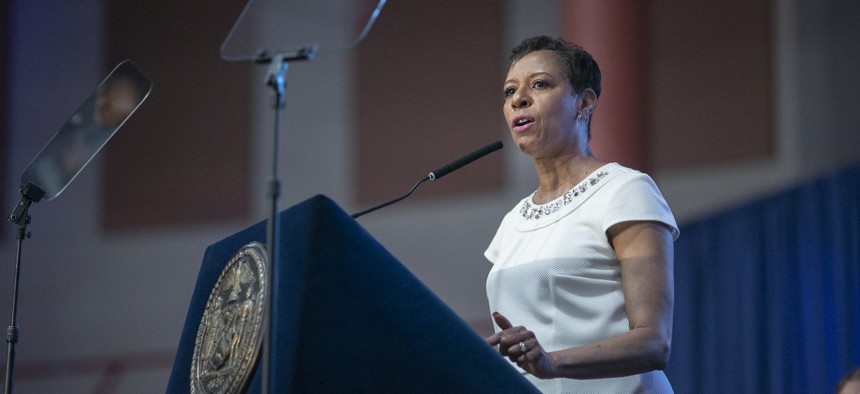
x=30 y=193
x=276 y=79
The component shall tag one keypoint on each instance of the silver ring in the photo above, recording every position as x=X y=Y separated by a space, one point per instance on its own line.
x=523 y=348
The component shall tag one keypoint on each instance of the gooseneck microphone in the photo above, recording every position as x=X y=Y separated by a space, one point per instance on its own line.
x=440 y=172
x=461 y=162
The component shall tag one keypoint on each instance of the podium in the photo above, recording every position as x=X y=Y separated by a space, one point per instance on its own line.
x=349 y=317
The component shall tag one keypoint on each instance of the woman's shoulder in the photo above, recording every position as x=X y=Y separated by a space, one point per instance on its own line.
x=622 y=170
x=625 y=176
x=633 y=195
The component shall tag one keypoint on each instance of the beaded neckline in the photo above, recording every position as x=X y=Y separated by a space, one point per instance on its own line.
x=530 y=212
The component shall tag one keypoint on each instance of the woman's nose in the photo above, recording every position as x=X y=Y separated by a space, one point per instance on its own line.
x=520 y=100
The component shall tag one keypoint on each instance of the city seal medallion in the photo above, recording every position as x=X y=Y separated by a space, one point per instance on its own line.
x=231 y=329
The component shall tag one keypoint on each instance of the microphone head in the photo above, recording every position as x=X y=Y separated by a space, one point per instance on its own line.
x=457 y=164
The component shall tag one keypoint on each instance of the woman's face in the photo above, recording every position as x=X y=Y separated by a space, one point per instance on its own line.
x=540 y=106
x=114 y=103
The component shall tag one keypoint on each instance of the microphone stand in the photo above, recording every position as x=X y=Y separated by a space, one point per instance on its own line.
x=398 y=199
x=276 y=79
x=439 y=173
x=30 y=193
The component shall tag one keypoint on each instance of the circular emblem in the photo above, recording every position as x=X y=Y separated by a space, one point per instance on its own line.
x=230 y=332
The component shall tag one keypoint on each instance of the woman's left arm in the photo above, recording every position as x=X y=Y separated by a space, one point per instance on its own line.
x=646 y=255
x=644 y=251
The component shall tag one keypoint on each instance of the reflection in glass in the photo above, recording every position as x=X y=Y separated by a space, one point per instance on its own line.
x=88 y=129
x=286 y=26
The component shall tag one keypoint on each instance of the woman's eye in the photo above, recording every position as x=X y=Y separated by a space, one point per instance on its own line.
x=509 y=92
x=540 y=84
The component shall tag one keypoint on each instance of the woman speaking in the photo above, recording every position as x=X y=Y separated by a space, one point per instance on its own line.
x=581 y=287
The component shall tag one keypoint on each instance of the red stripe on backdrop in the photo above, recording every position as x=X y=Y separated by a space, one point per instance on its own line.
x=615 y=33
x=110 y=368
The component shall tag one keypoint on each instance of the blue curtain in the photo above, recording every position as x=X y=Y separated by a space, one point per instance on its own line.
x=767 y=295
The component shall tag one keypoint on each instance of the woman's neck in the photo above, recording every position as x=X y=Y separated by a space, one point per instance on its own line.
x=558 y=175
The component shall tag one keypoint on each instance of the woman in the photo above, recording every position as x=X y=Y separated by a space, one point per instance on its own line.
x=581 y=284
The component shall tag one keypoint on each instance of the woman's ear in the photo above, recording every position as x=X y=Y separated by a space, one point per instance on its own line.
x=588 y=102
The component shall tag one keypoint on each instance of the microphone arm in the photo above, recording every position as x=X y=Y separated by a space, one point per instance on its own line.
x=385 y=204
x=438 y=173
x=459 y=163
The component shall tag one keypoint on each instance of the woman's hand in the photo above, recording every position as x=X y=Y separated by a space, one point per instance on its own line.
x=521 y=347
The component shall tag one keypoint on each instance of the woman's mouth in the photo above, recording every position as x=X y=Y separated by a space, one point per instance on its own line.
x=522 y=123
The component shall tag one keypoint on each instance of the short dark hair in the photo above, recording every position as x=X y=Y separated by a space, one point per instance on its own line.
x=581 y=69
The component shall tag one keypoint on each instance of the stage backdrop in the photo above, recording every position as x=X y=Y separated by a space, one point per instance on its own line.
x=767 y=295
x=5 y=79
